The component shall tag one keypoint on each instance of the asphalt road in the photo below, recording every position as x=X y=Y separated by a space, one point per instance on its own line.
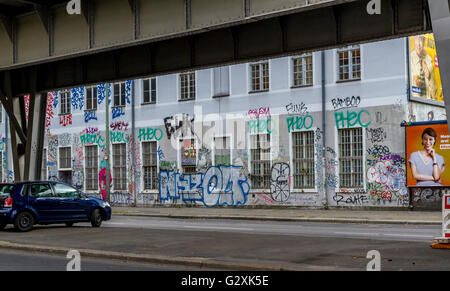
x=27 y=261
x=305 y=246
x=419 y=233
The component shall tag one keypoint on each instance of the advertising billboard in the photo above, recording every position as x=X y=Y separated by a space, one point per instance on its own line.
x=424 y=69
x=427 y=153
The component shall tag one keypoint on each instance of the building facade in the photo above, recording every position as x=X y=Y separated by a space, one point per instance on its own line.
x=318 y=129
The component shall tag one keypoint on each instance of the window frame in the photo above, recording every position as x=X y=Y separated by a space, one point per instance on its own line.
x=181 y=153
x=350 y=49
x=189 y=91
x=260 y=76
x=292 y=161
x=121 y=93
x=341 y=187
x=251 y=161
x=151 y=89
x=86 y=168
x=94 y=91
x=213 y=88
x=63 y=106
x=304 y=71
x=59 y=158
x=156 y=166
x=213 y=153
x=121 y=166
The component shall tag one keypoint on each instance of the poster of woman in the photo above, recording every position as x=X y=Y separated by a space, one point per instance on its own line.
x=428 y=149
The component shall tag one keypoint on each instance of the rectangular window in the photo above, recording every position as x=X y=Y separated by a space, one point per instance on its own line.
x=91 y=98
x=187 y=86
x=302 y=68
x=189 y=157
x=65 y=102
x=349 y=63
x=150 y=161
x=65 y=158
x=149 y=91
x=351 y=169
x=44 y=166
x=120 y=166
x=91 y=167
x=303 y=159
x=259 y=75
x=39 y=190
x=260 y=161
x=119 y=94
x=221 y=79
x=222 y=151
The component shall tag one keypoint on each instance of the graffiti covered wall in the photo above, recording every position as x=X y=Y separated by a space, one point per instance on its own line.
x=260 y=149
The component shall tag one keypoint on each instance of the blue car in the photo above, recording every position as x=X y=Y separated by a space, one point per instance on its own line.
x=25 y=204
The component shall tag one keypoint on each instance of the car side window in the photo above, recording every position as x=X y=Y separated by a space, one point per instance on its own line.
x=65 y=191
x=40 y=190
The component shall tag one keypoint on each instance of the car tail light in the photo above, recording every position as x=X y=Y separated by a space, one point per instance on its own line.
x=8 y=203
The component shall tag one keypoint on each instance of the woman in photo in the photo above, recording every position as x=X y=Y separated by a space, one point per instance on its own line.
x=426 y=165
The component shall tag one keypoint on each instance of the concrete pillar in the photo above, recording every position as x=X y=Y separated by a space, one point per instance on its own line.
x=440 y=18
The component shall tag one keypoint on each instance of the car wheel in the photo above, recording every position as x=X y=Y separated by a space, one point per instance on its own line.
x=24 y=221
x=96 y=218
x=69 y=224
x=2 y=226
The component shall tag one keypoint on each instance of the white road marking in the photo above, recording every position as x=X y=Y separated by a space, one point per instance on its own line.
x=409 y=235
x=218 y=227
x=354 y=233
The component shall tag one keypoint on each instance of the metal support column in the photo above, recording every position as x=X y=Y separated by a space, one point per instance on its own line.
x=440 y=18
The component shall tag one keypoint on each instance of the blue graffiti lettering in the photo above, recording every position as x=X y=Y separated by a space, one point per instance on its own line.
x=90 y=115
x=77 y=98
x=117 y=112
x=218 y=186
x=128 y=91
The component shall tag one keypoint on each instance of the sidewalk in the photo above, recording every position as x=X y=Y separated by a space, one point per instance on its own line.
x=288 y=214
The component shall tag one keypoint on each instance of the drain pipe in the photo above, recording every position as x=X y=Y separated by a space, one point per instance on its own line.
x=324 y=134
x=133 y=138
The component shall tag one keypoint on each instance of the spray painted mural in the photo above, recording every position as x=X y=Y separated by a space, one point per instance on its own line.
x=170 y=157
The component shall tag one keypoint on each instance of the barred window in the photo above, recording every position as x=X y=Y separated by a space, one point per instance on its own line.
x=187 y=86
x=150 y=159
x=259 y=74
x=91 y=98
x=119 y=94
x=149 y=91
x=65 y=158
x=189 y=157
x=351 y=169
x=349 y=63
x=44 y=166
x=65 y=102
x=303 y=159
x=120 y=166
x=91 y=167
x=260 y=161
x=222 y=151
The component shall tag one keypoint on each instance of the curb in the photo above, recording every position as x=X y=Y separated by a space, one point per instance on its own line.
x=155 y=259
x=287 y=219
